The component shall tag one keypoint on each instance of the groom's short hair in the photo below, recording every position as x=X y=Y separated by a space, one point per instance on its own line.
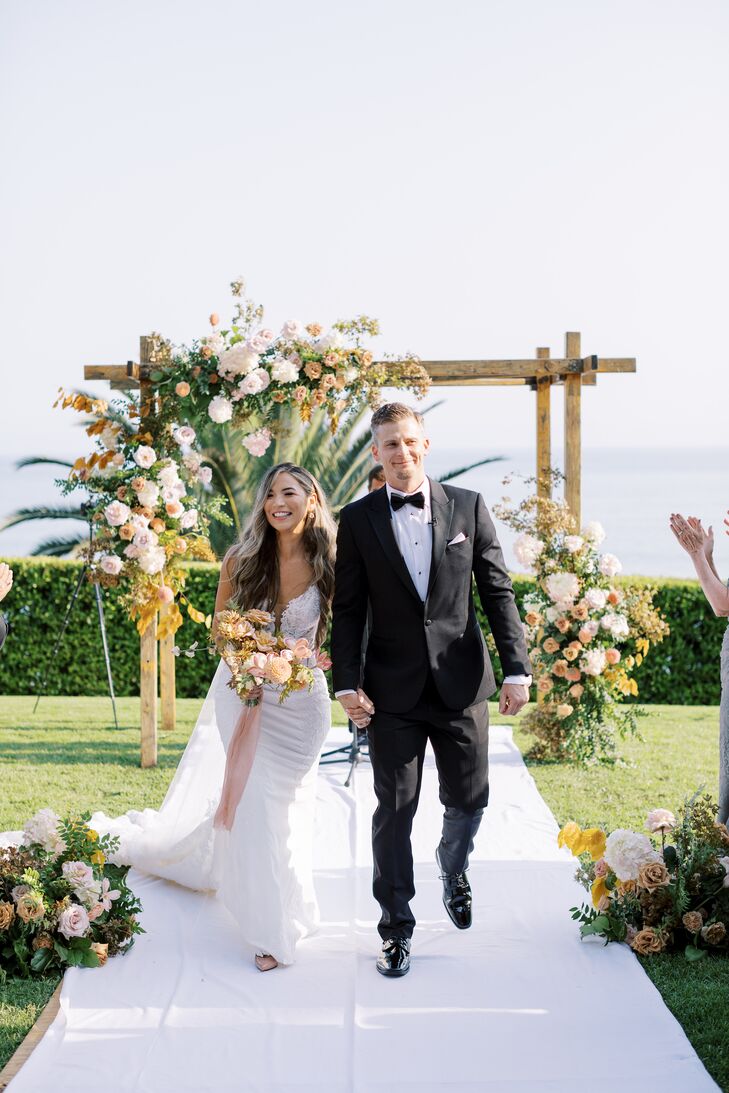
x=394 y=411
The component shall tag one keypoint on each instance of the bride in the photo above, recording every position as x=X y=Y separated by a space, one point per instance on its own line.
x=259 y=866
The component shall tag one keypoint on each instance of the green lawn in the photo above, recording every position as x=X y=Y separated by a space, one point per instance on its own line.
x=70 y=754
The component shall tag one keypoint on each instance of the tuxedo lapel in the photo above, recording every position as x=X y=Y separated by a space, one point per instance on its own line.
x=380 y=516
x=442 y=512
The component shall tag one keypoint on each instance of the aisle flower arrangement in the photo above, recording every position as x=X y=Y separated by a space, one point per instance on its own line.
x=661 y=892
x=585 y=633
x=63 y=903
x=150 y=495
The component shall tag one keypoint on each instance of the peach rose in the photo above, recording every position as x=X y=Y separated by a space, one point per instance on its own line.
x=101 y=948
x=573 y=674
x=562 y=625
x=312 y=369
x=278 y=670
x=157 y=525
x=30 y=907
x=206 y=352
x=314 y=329
x=585 y=636
x=138 y=483
x=614 y=597
x=560 y=669
x=127 y=531
x=182 y=389
x=544 y=685
x=196 y=371
x=532 y=618
x=550 y=645
x=213 y=378
x=121 y=493
x=165 y=594
x=7 y=915
x=612 y=656
x=174 y=509
x=570 y=653
x=179 y=546
x=580 y=612
x=653 y=875
x=647 y=941
x=564 y=710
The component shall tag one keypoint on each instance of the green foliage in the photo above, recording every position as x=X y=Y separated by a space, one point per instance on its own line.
x=683 y=669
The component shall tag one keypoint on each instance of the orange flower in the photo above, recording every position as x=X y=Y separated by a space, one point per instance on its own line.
x=126 y=531
x=214 y=319
x=562 y=625
x=580 y=612
x=612 y=656
x=614 y=596
x=550 y=645
x=560 y=669
x=213 y=377
x=573 y=674
x=158 y=525
x=182 y=389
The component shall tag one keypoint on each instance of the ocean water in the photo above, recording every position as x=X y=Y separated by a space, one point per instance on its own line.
x=630 y=491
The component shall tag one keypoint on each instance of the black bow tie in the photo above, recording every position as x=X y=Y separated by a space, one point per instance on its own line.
x=397 y=500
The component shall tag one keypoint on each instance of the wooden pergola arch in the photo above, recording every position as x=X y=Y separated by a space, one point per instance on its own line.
x=540 y=374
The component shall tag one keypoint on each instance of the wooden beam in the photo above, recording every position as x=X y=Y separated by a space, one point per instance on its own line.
x=573 y=430
x=616 y=364
x=148 y=694
x=167 y=678
x=456 y=371
x=544 y=430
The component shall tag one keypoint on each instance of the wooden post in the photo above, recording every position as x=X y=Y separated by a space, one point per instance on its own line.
x=148 y=694
x=572 y=429
x=544 y=430
x=167 y=677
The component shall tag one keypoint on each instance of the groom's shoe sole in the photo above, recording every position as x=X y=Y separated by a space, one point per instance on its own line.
x=390 y=973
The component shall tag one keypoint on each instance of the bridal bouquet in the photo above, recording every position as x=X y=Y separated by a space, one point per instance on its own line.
x=63 y=903
x=255 y=655
x=657 y=898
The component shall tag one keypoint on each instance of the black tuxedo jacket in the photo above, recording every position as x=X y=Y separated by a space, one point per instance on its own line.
x=407 y=635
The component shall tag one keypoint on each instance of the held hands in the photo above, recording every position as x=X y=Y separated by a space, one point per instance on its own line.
x=358 y=708
x=512 y=698
x=6 y=579
x=692 y=536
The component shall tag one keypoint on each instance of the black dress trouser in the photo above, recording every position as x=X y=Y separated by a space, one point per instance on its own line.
x=397 y=743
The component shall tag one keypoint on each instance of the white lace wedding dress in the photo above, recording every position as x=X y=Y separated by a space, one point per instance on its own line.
x=261 y=868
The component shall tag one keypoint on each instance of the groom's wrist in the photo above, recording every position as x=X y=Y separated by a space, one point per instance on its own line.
x=347 y=691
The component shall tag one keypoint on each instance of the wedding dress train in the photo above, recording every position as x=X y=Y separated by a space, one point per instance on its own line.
x=260 y=869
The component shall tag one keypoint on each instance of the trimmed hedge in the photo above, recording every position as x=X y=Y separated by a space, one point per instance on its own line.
x=682 y=670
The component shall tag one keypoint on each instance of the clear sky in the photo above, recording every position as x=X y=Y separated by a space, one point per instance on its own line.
x=481 y=176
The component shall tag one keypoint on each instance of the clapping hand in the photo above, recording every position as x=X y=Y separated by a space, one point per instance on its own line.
x=691 y=534
x=6 y=579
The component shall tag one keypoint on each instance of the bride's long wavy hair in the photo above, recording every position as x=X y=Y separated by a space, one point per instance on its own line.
x=253 y=560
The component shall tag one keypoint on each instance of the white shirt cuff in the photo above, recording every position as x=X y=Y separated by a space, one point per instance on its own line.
x=349 y=691
x=525 y=681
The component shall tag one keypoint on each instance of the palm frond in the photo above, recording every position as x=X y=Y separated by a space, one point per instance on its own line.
x=42 y=512
x=58 y=547
x=41 y=460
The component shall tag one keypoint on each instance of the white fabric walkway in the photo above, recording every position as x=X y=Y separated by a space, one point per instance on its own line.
x=516 y=1004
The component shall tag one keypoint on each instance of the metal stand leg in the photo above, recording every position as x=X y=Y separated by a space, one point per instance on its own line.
x=64 y=624
x=102 y=625
x=352 y=753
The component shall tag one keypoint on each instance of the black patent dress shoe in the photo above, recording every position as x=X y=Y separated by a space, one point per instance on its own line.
x=395 y=957
x=456 y=896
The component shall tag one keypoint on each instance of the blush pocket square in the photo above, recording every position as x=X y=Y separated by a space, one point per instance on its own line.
x=460 y=538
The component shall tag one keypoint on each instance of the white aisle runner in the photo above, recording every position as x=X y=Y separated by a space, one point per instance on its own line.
x=515 y=1004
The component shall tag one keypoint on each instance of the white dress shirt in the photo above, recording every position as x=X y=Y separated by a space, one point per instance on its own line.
x=413 y=530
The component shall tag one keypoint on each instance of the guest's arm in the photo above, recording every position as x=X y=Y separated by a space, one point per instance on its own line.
x=698 y=544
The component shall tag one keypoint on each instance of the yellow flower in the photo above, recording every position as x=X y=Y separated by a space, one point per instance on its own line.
x=593 y=840
x=570 y=836
x=92 y=835
x=98 y=857
x=600 y=892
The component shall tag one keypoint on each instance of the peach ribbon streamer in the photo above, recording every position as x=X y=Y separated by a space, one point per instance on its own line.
x=238 y=763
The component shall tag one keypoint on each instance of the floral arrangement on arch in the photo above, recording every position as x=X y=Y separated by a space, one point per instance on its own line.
x=657 y=898
x=585 y=632
x=63 y=903
x=151 y=496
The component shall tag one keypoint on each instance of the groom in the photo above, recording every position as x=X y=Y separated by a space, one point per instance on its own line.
x=410 y=551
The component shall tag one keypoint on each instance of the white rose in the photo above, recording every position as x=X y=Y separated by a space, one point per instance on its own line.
x=77 y=873
x=174 y=492
x=220 y=409
x=254 y=383
x=594 y=533
x=591 y=626
x=216 y=342
x=170 y=472
x=284 y=371
x=291 y=330
x=145 y=456
x=562 y=588
x=626 y=852
x=139 y=522
x=593 y=662
x=527 y=549
x=617 y=625
x=552 y=613
x=43 y=828
x=184 y=435
x=239 y=360
x=188 y=519
x=205 y=475
x=73 y=921
x=574 y=543
x=595 y=598
x=131 y=551
x=152 y=560
x=117 y=513
x=146 y=538
x=192 y=461
x=334 y=339
x=108 y=436
x=111 y=564
x=610 y=565
x=148 y=495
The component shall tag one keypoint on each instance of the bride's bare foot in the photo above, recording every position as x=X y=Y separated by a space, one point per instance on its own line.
x=265 y=962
